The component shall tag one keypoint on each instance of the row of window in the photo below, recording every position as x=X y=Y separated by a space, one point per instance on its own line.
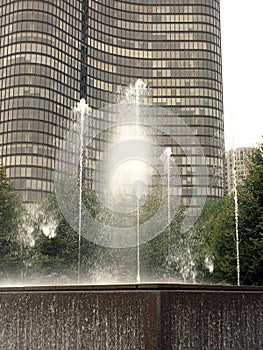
x=53 y=115
x=199 y=124
x=189 y=111
x=65 y=42
x=113 y=73
x=27 y=51
x=33 y=184
x=28 y=82
x=61 y=106
x=58 y=19
x=25 y=136
x=150 y=51
x=99 y=98
x=145 y=59
x=53 y=80
x=160 y=3
x=155 y=67
x=30 y=149
x=67 y=32
x=142 y=22
x=41 y=86
x=37 y=92
x=150 y=41
x=150 y=31
x=26 y=125
x=34 y=172
x=60 y=9
x=29 y=160
x=32 y=84
x=164 y=7
x=180 y=83
x=173 y=87
x=71 y=65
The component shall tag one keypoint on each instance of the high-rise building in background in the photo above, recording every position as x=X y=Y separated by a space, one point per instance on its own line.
x=55 y=52
x=237 y=161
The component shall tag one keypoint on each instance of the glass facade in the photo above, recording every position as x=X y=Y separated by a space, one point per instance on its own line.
x=237 y=164
x=175 y=48
x=54 y=52
x=40 y=73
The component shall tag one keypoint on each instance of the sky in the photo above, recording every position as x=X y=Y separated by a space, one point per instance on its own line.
x=242 y=56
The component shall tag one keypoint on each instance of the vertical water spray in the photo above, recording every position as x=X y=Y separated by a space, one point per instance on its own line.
x=167 y=155
x=140 y=87
x=138 y=277
x=236 y=216
x=128 y=154
x=140 y=192
x=82 y=110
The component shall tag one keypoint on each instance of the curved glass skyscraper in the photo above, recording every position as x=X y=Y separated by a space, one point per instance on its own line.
x=53 y=53
x=40 y=73
x=174 y=47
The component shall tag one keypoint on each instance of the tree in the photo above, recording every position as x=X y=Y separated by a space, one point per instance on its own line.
x=56 y=253
x=217 y=230
x=164 y=256
x=251 y=221
x=11 y=243
x=216 y=243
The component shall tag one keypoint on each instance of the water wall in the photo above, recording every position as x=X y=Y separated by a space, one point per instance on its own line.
x=131 y=317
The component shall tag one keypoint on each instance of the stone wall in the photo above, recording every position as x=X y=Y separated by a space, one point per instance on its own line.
x=131 y=317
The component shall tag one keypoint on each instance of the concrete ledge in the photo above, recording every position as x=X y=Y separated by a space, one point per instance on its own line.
x=127 y=317
x=132 y=286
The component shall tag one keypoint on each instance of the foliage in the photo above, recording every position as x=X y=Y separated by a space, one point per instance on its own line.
x=161 y=257
x=217 y=240
x=217 y=231
x=11 y=213
x=172 y=253
x=57 y=253
x=251 y=221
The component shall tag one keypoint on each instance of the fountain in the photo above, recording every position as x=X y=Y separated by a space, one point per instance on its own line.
x=139 y=89
x=83 y=110
x=140 y=192
x=236 y=216
x=141 y=314
x=167 y=159
x=131 y=317
x=131 y=155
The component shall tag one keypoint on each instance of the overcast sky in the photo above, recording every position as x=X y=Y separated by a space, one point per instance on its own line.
x=242 y=54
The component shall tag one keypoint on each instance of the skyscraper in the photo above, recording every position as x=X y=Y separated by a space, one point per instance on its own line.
x=54 y=53
x=40 y=74
x=237 y=164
